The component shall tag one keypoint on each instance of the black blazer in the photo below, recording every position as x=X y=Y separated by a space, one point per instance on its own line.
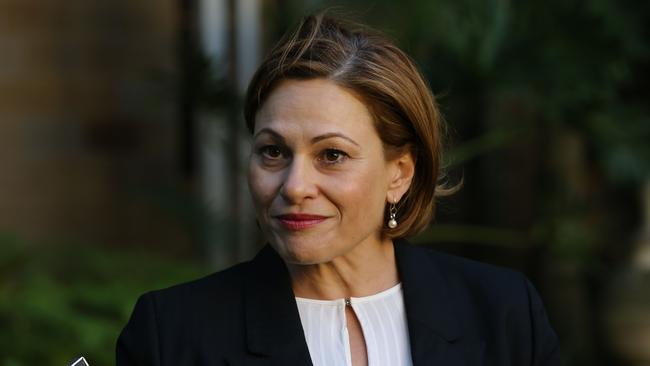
x=459 y=312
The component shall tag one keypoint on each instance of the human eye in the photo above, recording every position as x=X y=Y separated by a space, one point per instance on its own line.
x=271 y=152
x=333 y=156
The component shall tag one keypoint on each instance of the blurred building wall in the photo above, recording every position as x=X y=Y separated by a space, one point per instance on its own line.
x=87 y=120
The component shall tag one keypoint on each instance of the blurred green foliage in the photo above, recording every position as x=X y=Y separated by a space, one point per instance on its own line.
x=62 y=301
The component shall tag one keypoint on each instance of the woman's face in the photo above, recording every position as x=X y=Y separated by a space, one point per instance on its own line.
x=317 y=172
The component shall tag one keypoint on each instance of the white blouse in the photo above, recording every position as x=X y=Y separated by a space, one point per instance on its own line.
x=383 y=321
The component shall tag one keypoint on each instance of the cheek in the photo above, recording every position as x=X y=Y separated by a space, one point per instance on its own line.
x=360 y=193
x=261 y=185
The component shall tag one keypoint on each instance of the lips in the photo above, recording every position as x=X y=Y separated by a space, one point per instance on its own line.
x=300 y=221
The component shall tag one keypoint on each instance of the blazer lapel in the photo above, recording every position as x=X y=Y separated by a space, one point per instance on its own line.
x=434 y=327
x=274 y=333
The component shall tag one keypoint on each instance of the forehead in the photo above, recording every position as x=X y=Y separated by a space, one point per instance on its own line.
x=317 y=105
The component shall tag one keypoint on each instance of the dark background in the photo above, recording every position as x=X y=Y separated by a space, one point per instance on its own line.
x=123 y=144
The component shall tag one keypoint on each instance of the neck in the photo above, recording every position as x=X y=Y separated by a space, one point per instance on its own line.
x=362 y=272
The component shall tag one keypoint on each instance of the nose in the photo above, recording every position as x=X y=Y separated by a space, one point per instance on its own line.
x=299 y=181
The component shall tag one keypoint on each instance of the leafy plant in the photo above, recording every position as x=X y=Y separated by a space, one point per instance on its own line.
x=60 y=301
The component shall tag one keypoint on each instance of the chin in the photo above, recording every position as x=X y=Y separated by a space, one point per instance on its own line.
x=304 y=253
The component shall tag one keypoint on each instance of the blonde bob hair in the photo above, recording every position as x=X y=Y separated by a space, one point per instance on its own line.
x=385 y=79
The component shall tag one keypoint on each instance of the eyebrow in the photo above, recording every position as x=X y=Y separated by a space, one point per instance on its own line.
x=330 y=135
x=314 y=140
x=270 y=132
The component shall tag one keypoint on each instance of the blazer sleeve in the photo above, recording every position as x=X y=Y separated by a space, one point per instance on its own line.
x=138 y=344
x=546 y=350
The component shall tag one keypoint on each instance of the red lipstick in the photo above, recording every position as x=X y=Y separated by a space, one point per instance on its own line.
x=300 y=221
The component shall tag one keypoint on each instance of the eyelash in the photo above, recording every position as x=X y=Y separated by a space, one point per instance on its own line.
x=263 y=152
x=342 y=156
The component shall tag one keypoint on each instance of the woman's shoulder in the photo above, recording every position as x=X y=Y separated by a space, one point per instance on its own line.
x=473 y=280
x=205 y=314
x=215 y=298
x=454 y=265
x=476 y=273
x=213 y=288
x=491 y=304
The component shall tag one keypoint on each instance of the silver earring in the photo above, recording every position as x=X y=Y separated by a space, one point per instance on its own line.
x=392 y=211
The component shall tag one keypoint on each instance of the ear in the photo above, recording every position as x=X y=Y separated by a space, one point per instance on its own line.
x=401 y=174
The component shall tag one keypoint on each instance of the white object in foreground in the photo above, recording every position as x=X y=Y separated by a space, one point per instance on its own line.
x=80 y=362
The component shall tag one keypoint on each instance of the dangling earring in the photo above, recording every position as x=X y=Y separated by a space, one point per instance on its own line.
x=392 y=211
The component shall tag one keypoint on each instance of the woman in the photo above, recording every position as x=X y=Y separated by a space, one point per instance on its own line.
x=344 y=165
